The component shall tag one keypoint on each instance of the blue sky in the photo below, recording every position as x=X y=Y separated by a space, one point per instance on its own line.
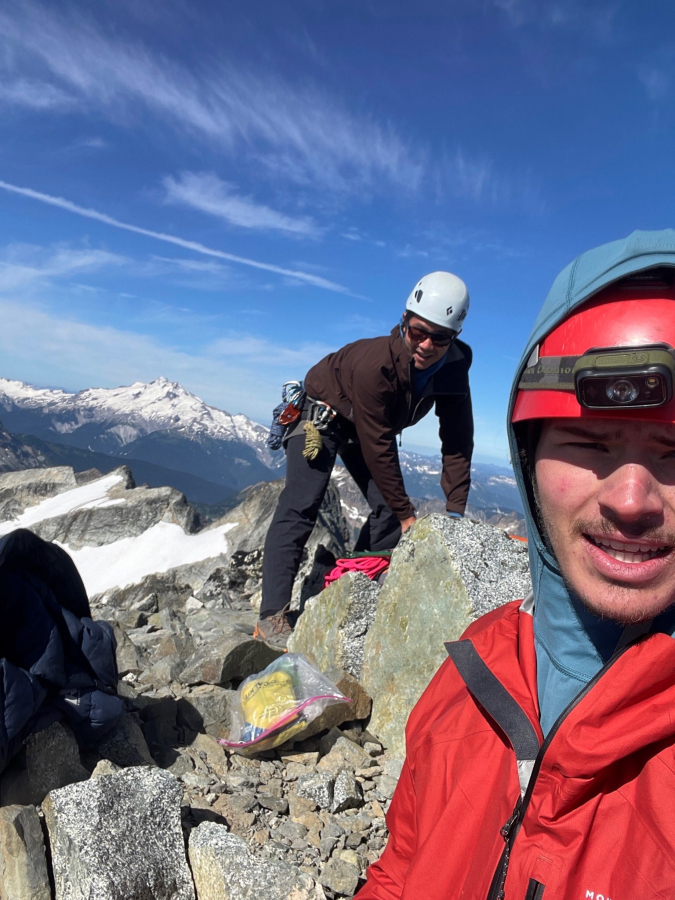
x=223 y=193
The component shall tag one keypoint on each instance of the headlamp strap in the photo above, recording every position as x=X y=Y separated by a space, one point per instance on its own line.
x=557 y=373
x=550 y=373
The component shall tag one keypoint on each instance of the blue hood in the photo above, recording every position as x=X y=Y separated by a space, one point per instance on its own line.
x=572 y=644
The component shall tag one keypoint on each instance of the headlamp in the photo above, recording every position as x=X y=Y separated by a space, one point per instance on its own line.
x=631 y=377
x=607 y=377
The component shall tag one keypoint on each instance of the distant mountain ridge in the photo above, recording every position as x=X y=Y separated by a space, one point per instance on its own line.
x=159 y=423
x=126 y=413
x=170 y=436
x=24 y=451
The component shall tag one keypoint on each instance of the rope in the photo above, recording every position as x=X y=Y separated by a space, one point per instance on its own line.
x=313 y=441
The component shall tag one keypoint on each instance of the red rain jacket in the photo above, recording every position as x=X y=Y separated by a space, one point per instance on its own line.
x=597 y=821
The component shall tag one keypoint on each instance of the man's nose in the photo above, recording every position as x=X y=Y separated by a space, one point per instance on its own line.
x=631 y=493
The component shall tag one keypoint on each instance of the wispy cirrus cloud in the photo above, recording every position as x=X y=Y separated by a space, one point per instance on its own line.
x=234 y=370
x=36 y=95
x=206 y=192
x=477 y=179
x=238 y=372
x=295 y=130
x=69 y=206
x=458 y=245
x=595 y=20
x=193 y=266
x=356 y=236
x=468 y=177
x=22 y=265
x=251 y=348
x=93 y=143
x=293 y=133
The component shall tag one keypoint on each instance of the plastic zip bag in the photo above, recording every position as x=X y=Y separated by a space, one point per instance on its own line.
x=277 y=704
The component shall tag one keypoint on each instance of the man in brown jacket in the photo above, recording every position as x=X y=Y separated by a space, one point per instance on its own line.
x=360 y=398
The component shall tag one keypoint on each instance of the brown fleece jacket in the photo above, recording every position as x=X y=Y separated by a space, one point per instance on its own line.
x=370 y=383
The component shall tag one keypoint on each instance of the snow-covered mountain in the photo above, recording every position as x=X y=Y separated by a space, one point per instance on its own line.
x=125 y=414
x=170 y=436
x=159 y=423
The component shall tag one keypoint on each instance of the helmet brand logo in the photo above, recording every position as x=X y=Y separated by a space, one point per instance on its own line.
x=448 y=311
x=543 y=369
x=555 y=373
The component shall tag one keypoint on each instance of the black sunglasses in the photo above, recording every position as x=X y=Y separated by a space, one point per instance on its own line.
x=437 y=338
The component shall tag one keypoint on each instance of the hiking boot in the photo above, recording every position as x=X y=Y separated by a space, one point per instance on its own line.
x=274 y=630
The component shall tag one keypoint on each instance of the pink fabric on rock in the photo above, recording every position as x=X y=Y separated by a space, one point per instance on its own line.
x=370 y=566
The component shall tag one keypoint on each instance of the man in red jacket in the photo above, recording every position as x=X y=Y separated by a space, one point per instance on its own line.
x=541 y=758
x=360 y=398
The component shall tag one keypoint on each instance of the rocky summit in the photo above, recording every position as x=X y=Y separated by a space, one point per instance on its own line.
x=159 y=810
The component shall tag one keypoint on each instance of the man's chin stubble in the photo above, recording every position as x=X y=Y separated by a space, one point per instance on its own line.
x=626 y=595
x=624 y=604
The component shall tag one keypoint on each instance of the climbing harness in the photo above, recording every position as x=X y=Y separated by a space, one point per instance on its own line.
x=287 y=412
x=294 y=404
x=319 y=417
x=321 y=414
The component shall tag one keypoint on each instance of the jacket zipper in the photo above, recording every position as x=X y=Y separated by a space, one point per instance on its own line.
x=497 y=887
x=414 y=403
x=510 y=830
x=535 y=890
x=411 y=379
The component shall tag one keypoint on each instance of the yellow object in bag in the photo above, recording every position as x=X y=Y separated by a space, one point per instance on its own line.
x=266 y=699
x=276 y=705
x=269 y=703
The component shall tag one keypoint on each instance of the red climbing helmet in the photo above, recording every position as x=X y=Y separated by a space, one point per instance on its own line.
x=613 y=357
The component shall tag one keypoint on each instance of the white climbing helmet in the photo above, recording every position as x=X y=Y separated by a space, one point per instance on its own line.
x=441 y=298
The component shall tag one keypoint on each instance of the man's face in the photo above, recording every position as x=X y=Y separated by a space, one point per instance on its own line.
x=424 y=352
x=606 y=489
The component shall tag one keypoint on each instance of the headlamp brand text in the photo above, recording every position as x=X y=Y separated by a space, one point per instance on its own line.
x=543 y=369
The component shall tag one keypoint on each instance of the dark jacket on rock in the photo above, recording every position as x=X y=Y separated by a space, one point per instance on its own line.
x=54 y=660
x=371 y=384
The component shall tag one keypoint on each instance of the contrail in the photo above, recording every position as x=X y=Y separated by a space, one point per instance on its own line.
x=62 y=203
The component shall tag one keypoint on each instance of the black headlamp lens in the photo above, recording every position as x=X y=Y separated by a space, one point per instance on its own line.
x=622 y=391
x=635 y=377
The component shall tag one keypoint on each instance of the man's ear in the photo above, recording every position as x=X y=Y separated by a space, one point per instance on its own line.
x=527 y=438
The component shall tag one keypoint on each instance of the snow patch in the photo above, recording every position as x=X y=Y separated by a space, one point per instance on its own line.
x=88 y=496
x=352 y=512
x=126 y=433
x=162 y=547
